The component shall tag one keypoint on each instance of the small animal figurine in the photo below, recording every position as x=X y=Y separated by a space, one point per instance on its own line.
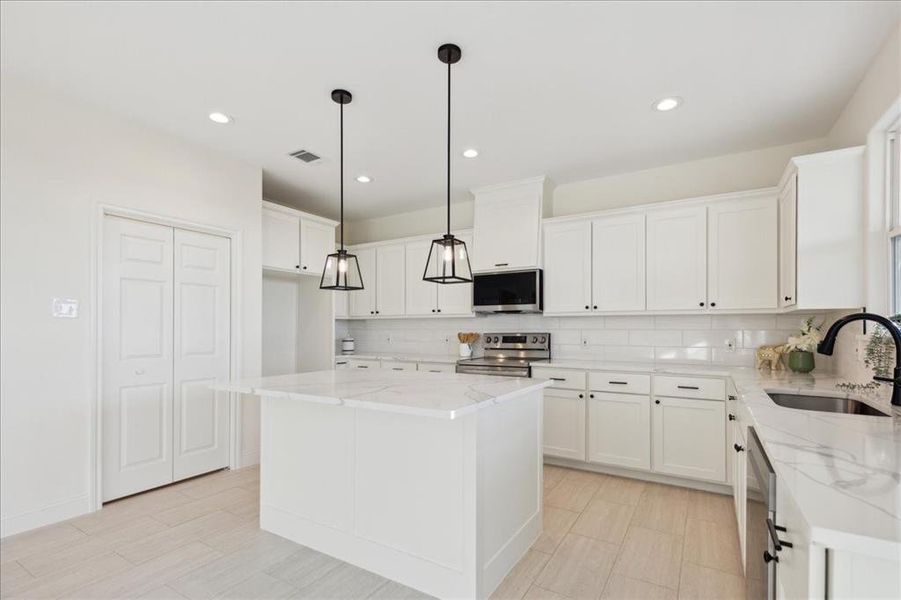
x=771 y=356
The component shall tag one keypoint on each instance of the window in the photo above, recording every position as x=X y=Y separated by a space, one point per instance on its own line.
x=893 y=198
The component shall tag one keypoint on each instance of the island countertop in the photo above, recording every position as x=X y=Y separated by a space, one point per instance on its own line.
x=440 y=395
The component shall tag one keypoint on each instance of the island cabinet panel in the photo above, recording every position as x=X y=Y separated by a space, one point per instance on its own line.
x=677 y=259
x=619 y=429
x=689 y=438
x=742 y=254
x=618 y=263
x=567 y=267
x=564 y=423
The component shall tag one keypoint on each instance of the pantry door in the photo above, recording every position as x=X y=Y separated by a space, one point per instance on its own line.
x=136 y=404
x=201 y=353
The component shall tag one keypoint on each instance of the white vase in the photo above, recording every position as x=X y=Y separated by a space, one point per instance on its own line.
x=465 y=350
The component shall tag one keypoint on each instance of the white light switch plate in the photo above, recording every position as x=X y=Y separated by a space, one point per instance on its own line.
x=65 y=308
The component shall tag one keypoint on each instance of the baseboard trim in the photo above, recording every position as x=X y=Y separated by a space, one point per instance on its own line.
x=46 y=515
x=695 y=484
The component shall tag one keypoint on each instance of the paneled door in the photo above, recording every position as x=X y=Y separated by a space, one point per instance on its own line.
x=362 y=302
x=316 y=242
x=618 y=263
x=281 y=241
x=742 y=256
x=421 y=296
x=201 y=325
x=788 y=242
x=567 y=267
x=455 y=298
x=677 y=259
x=136 y=405
x=391 y=280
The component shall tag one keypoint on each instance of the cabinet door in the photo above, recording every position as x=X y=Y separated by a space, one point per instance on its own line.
x=456 y=298
x=619 y=429
x=390 y=276
x=677 y=259
x=421 y=296
x=341 y=302
x=739 y=486
x=362 y=302
x=689 y=438
x=316 y=242
x=281 y=240
x=567 y=267
x=564 y=423
x=507 y=230
x=788 y=242
x=618 y=263
x=742 y=254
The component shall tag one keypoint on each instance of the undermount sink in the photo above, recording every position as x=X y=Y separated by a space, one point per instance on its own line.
x=847 y=406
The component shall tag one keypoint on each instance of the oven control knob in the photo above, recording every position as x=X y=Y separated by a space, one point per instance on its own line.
x=534 y=339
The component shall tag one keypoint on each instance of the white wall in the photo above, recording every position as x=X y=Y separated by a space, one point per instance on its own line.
x=701 y=339
x=417 y=222
x=60 y=161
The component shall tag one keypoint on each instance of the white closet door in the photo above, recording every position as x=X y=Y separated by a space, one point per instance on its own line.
x=201 y=325
x=137 y=357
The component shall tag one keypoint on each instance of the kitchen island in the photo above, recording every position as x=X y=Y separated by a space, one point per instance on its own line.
x=433 y=480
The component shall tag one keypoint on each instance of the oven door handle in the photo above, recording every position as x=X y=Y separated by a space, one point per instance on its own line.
x=777 y=543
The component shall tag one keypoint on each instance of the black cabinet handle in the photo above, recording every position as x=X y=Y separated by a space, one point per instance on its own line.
x=713 y=304
x=296 y=266
x=700 y=304
x=376 y=312
x=688 y=387
x=767 y=557
x=304 y=267
x=433 y=310
x=595 y=307
x=439 y=310
x=362 y=366
x=731 y=417
x=731 y=397
x=558 y=378
x=656 y=401
x=738 y=448
x=341 y=362
x=371 y=312
x=618 y=382
x=581 y=395
x=501 y=264
x=788 y=298
x=586 y=307
x=591 y=395
x=397 y=368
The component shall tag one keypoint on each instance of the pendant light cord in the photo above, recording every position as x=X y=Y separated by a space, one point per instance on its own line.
x=448 y=146
x=342 y=174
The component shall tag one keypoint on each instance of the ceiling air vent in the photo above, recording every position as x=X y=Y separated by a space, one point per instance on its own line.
x=305 y=155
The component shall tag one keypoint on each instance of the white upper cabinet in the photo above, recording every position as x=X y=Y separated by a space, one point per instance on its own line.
x=281 y=240
x=821 y=206
x=567 y=267
x=454 y=298
x=317 y=241
x=618 y=263
x=788 y=248
x=390 y=280
x=421 y=296
x=742 y=253
x=507 y=225
x=677 y=259
x=362 y=302
x=295 y=241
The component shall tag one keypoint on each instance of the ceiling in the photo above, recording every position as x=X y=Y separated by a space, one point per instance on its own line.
x=557 y=88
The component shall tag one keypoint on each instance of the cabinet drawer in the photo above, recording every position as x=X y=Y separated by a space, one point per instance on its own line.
x=398 y=365
x=564 y=379
x=342 y=363
x=437 y=367
x=621 y=383
x=689 y=387
x=362 y=363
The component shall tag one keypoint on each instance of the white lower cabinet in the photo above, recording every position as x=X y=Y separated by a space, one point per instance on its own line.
x=619 y=429
x=398 y=365
x=689 y=438
x=363 y=363
x=433 y=367
x=564 y=423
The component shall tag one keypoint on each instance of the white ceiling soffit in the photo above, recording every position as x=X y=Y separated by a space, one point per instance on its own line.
x=557 y=88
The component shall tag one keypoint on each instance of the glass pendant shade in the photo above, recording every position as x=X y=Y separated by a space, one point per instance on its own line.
x=341 y=272
x=448 y=261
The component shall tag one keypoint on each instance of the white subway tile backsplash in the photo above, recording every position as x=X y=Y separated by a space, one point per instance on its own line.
x=641 y=338
x=655 y=337
x=713 y=338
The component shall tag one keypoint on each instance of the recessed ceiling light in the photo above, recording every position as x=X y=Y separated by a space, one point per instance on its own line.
x=470 y=153
x=363 y=179
x=221 y=118
x=665 y=104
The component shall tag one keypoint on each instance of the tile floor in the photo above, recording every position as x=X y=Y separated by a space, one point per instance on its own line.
x=604 y=537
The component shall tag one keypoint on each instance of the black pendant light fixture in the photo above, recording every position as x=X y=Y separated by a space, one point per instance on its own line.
x=448 y=260
x=341 y=271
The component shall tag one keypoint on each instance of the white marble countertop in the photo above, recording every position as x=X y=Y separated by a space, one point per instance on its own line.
x=440 y=395
x=427 y=358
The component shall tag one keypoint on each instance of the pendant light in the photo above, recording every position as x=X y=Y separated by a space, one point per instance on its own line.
x=342 y=271
x=448 y=260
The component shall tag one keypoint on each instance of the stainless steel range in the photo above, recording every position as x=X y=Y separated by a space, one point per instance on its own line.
x=509 y=354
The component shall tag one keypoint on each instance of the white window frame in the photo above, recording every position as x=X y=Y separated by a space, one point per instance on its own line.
x=893 y=209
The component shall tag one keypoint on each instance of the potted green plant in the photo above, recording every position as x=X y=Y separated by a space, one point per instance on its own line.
x=801 y=347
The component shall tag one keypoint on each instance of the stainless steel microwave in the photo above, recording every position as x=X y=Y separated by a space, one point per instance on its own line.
x=508 y=292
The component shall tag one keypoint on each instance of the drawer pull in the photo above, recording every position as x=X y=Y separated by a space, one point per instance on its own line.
x=397 y=368
x=434 y=371
x=558 y=378
x=501 y=264
x=731 y=397
x=731 y=417
x=688 y=387
x=618 y=382
x=362 y=366
x=738 y=448
x=341 y=362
